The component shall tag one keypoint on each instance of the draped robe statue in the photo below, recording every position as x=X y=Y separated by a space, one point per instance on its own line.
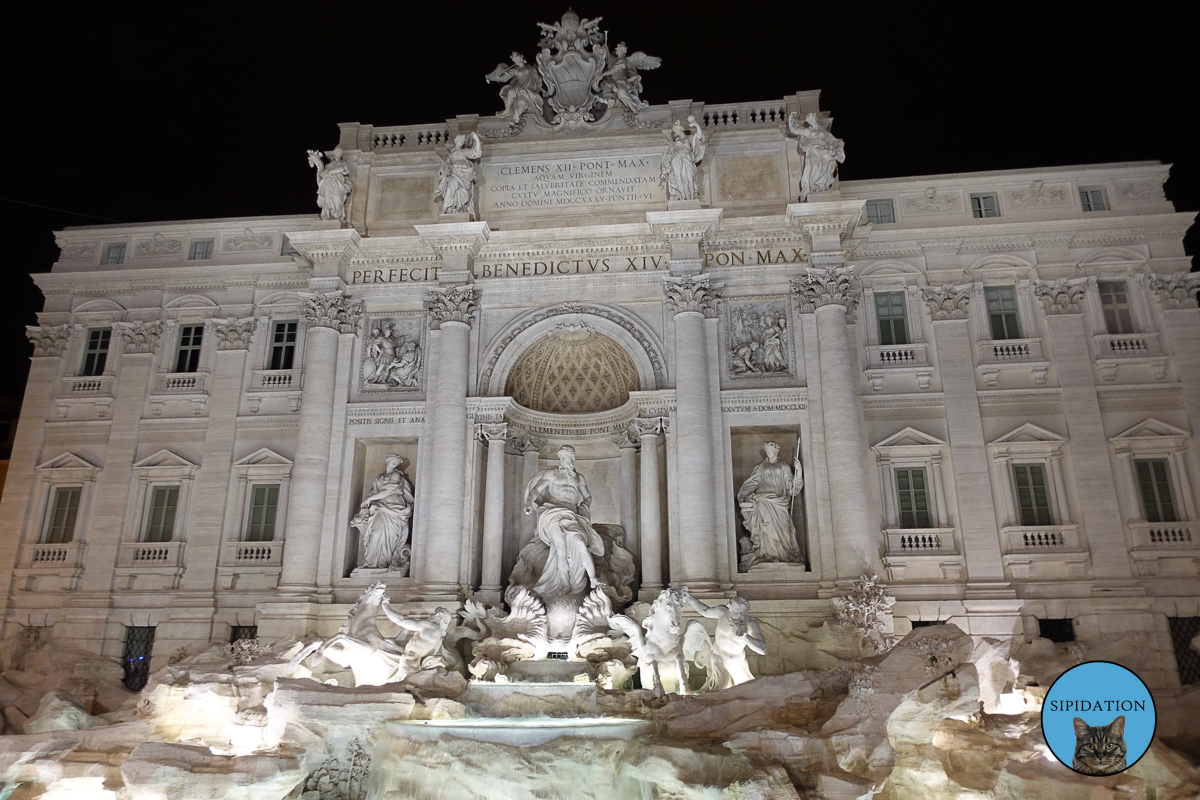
x=562 y=501
x=382 y=520
x=765 y=499
x=685 y=149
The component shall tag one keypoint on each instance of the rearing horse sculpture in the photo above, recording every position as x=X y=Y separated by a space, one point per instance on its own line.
x=660 y=651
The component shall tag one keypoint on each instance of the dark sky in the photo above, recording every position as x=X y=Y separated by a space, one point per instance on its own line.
x=184 y=111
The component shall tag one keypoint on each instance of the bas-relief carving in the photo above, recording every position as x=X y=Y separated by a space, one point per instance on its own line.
x=758 y=340
x=248 y=240
x=333 y=184
x=747 y=178
x=1039 y=194
x=1140 y=191
x=139 y=337
x=947 y=302
x=822 y=153
x=393 y=354
x=159 y=246
x=69 y=251
x=930 y=202
x=382 y=522
x=234 y=334
x=1060 y=296
x=49 y=341
x=577 y=81
x=766 y=499
x=1178 y=290
x=456 y=178
x=684 y=152
x=398 y=197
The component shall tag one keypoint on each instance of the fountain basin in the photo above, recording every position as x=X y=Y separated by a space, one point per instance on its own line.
x=521 y=732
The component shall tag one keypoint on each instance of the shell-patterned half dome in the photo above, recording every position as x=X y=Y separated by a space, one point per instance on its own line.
x=573 y=370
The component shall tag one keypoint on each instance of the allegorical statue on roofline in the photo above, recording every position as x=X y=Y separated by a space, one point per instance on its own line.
x=333 y=184
x=822 y=153
x=577 y=81
x=684 y=151
x=456 y=178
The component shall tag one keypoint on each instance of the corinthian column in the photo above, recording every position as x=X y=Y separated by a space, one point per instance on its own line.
x=326 y=317
x=692 y=300
x=450 y=312
x=830 y=294
x=650 y=528
x=627 y=445
x=1177 y=295
x=493 y=511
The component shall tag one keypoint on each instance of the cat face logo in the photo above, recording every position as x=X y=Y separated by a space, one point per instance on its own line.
x=1098 y=718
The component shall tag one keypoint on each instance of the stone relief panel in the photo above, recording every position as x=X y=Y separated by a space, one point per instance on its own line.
x=747 y=177
x=393 y=353
x=397 y=198
x=758 y=339
x=1038 y=194
x=932 y=201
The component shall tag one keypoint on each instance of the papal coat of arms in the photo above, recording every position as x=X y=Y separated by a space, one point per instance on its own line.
x=577 y=81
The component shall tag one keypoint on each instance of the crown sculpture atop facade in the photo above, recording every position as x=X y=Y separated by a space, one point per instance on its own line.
x=577 y=81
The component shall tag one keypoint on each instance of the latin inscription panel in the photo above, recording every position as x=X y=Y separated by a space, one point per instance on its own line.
x=571 y=184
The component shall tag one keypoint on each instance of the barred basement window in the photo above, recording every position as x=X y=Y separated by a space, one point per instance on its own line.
x=1032 y=497
x=264 y=509
x=160 y=519
x=880 y=212
x=95 y=355
x=1057 y=630
x=187 y=358
x=1183 y=631
x=1114 y=299
x=913 y=498
x=984 y=205
x=893 y=323
x=1002 y=311
x=139 y=646
x=283 y=345
x=239 y=633
x=63 y=515
x=1154 y=481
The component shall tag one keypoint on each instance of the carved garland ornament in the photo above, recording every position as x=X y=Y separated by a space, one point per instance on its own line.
x=696 y=294
x=49 y=341
x=139 y=337
x=454 y=304
x=573 y=307
x=334 y=310
x=827 y=287
x=1060 y=296
x=249 y=240
x=947 y=302
x=234 y=334
x=159 y=246
x=1178 y=290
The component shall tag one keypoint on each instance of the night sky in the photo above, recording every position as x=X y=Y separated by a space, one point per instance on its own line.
x=122 y=114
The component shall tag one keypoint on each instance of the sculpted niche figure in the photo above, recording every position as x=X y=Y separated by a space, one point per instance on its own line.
x=562 y=501
x=523 y=91
x=822 y=153
x=333 y=184
x=456 y=178
x=685 y=149
x=383 y=518
x=766 y=502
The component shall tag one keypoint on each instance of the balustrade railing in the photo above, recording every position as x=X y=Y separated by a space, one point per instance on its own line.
x=770 y=112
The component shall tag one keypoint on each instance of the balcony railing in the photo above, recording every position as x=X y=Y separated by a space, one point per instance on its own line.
x=1127 y=345
x=1163 y=535
x=87 y=386
x=920 y=541
x=151 y=554
x=883 y=356
x=277 y=380
x=54 y=556
x=768 y=112
x=410 y=137
x=181 y=383
x=254 y=554
x=1041 y=538
x=1003 y=351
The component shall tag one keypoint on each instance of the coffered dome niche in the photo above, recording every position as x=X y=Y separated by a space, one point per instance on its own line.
x=574 y=369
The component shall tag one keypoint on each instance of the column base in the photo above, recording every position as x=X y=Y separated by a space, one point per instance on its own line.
x=648 y=594
x=488 y=595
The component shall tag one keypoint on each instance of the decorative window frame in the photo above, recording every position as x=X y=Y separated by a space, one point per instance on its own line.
x=1113 y=351
x=917 y=553
x=1157 y=548
x=57 y=567
x=257 y=563
x=1035 y=551
x=994 y=356
x=155 y=565
x=895 y=359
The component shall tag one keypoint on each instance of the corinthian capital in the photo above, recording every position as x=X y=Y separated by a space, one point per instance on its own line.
x=1178 y=290
x=492 y=431
x=693 y=294
x=453 y=304
x=49 y=341
x=648 y=426
x=139 y=337
x=827 y=287
x=234 y=334
x=1060 y=296
x=333 y=310
x=947 y=302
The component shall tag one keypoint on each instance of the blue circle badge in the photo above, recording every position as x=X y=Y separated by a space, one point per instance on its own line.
x=1098 y=718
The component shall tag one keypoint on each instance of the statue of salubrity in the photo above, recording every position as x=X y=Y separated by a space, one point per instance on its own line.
x=766 y=503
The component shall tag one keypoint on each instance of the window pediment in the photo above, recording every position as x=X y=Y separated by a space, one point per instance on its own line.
x=1150 y=436
x=1028 y=439
x=262 y=464
x=68 y=467
x=165 y=465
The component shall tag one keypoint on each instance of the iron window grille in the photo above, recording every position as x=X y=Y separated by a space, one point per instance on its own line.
x=1183 y=631
x=139 y=647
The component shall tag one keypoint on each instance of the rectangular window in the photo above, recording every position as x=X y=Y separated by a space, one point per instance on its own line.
x=188 y=357
x=95 y=354
x=1114 y=299
x=202 y=250
x=984 y=205
x=113 y=254
x=264 y=508
x=63 y=515
x=914 y=498
x=889 y=310
x=1032 y=498
x=1154 y=481
x=160 y=517
x=283 y=345
x=139 y=647
x=238 y=633
x=880 y=212
x=1093 y=200
x=1002 y=311
x=1183 y=631
x=286 y=248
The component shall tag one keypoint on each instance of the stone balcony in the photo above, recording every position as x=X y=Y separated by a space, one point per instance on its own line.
x=898 y=359
x=149 y=566
x=94 y=390
x=50 y=567
x=250 y=565
x=1115 y=351
x=922 y=554
x=275 y=385
x=1168 y=549
x=1043 y=552
x=995 y=355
